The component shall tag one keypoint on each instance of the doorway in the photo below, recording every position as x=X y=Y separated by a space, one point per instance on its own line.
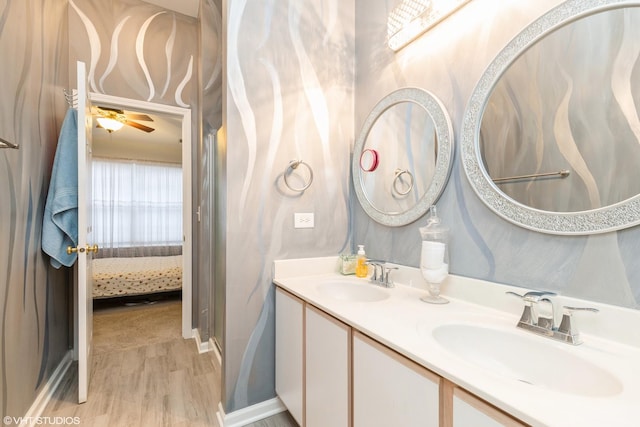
x=182 y=115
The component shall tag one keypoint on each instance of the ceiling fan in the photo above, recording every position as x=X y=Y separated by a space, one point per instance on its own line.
x=112 y=119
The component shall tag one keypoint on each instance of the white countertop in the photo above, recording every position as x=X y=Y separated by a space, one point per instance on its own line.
x=404 y=323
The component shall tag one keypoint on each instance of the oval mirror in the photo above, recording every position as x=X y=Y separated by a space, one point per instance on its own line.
x=402 y=157
x=551 y=135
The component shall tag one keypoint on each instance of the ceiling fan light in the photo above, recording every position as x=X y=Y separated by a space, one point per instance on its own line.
x=109 y=124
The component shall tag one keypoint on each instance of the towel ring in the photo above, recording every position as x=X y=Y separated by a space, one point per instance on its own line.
x=293 y=164
x=396 y=179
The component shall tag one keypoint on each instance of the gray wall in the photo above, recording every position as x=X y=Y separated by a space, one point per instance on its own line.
x=33 y=296
x=449 y=61
x=289 y=95
x=163 y=70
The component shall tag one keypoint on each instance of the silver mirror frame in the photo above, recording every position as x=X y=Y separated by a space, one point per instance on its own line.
x=444 y=158
x=610 y=218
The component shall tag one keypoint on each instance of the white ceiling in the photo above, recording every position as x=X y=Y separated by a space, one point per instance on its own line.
x=162 y=145
x=186 y=7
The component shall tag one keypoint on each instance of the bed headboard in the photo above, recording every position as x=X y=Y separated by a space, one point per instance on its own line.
x=139 y=251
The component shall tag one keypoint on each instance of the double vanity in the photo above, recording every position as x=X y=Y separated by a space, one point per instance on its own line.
x=538 y=149
x=352 y=353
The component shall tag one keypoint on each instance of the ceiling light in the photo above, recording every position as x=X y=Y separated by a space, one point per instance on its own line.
x=412 y=18
x=109 y=124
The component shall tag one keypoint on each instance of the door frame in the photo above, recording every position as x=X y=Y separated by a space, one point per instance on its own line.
x=187 y=225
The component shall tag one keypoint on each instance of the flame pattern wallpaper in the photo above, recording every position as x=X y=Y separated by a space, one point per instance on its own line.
x=289 y=96
x=33 y=295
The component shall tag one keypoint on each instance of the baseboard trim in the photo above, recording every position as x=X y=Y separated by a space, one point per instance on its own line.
x=216 y=351
x=203 y=347
x=220 y=415
x=250 y=414
x=46 y=393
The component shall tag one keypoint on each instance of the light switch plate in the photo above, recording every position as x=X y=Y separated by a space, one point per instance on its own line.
x=303 y=220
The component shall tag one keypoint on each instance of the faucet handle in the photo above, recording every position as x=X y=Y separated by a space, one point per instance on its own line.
x=532 y=296
x=529 y=316
x=375 y=264
x=514 y=294
x=386 y=276
x=567 y=327
x=567 y=312
x=570 y=310
x=537 y=296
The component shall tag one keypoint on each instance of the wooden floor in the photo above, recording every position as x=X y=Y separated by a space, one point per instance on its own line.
x=157 y=381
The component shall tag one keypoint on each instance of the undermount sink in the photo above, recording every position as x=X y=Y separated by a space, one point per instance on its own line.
x=527 y=360
x=352 y=291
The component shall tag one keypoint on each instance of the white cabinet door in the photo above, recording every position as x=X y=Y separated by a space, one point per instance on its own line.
x=468 y=410
x=327 y=371
x=390 y=390
x=289 y=353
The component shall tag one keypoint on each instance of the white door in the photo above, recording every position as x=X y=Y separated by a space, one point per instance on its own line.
x=85 y=246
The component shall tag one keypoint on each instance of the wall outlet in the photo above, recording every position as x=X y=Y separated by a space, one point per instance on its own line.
x=303 y=220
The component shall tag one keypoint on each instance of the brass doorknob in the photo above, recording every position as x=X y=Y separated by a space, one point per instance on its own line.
x=72 y=250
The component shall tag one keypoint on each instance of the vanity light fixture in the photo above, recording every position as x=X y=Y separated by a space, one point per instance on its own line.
x=109 y=124
x=412 y=18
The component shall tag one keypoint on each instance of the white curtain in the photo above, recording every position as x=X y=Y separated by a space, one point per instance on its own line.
x=137 y=207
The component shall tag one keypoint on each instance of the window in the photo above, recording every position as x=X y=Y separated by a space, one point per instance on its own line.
x=136 y=203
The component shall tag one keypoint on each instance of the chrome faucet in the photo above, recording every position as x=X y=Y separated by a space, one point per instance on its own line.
x=533 y=322
x=381 y=273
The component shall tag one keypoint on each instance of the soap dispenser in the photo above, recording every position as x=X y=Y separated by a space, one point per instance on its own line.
x=362 y=269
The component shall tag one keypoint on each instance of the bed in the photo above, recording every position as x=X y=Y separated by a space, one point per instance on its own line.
x=115 y=277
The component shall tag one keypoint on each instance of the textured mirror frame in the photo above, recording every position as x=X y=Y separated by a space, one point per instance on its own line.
x=610 y=218
x=444 y=158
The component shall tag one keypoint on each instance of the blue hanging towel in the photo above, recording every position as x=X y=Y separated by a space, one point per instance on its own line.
x=60 y=222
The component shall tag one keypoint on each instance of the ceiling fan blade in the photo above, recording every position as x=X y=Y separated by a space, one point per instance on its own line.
x=138 y=126
x=113 y=110
x=134 y=116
